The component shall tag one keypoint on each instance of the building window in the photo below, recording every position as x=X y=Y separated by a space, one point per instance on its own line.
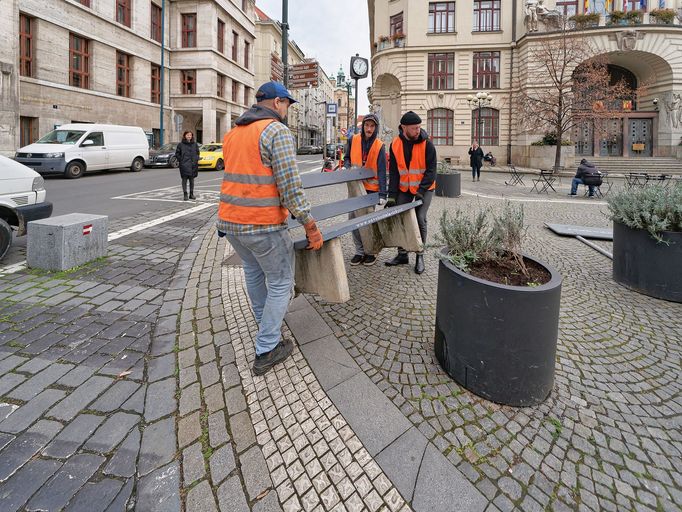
x=246 y=96
x=79 y=61
x=486 y=70
x=220 y=90
x=123 y=12
x=245 y=5
x=633 y=5
x=122 y=74
x=235 y=90
x=488 y=135
x=221 y=36
x=397 y=24
x=441 y=73
x=86 y=3
x=440 y=126
x=189 y=30
x=247 y=48
x=568 y=7
x=28 y=130
x=156 y=84
x=189 y=81
x=156 y=22
x=486 y=15
x=235 y=45
x=441 y=17
x=25 y=46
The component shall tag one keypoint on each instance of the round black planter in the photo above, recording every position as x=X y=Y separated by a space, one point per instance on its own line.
x=646 y=266
x=498 y=341
x=449 y=185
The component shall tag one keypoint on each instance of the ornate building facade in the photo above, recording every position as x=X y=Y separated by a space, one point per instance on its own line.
x=430 y=56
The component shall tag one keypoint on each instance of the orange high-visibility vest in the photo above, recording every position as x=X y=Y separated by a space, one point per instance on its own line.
x=371 y=184
x=248 y=194
x=412 y=177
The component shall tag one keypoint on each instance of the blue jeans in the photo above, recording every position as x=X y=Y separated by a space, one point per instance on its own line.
x=578 y=181
x=269 y=273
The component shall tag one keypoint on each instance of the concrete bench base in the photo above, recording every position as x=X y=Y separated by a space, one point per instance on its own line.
x=66 y=241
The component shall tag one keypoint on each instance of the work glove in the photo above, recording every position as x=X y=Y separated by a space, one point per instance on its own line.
x=390 y=202
x=382 y=201
x=314 y=236
x=419 y=196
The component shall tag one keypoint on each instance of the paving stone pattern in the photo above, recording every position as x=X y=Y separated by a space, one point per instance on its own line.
x=88 y=376
x=610 y=435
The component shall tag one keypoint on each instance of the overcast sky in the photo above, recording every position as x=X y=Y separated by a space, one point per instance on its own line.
x=330 y=30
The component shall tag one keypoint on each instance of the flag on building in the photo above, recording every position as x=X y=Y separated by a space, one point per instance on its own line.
x=586 y=7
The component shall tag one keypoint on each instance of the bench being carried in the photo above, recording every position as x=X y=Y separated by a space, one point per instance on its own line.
x=323 y=272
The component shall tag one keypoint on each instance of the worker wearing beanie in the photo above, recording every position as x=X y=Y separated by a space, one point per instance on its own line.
x=412 y=175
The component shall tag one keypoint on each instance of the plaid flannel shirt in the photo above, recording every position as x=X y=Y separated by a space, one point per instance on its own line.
x=277 y=151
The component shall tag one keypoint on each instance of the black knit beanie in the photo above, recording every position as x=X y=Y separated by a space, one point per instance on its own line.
x=410 y=118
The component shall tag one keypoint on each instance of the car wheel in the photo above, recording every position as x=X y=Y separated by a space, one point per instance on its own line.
x=74 y=170
x=5 y=238
x=137 y=165
x=219 y=166
x=173 y=162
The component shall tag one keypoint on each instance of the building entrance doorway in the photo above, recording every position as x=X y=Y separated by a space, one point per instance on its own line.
x=584 y=139
x=611 y=141
x=640 y=132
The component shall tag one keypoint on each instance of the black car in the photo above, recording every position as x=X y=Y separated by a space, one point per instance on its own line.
x=307 y=150
x=163 y=157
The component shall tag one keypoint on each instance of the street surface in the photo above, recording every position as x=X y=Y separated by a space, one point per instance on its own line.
x=125 y=384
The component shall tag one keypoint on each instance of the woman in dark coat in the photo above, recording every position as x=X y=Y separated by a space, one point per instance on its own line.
x=476 y=161
x=187 y=154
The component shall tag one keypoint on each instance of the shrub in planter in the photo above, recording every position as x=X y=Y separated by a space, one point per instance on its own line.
x=497 y=309
x=616 y=17
x=647 y=240
x=585 y=20
x=663 y=16
x=448 y=181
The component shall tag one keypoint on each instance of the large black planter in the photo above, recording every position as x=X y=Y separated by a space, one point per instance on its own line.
x=646 y=266
x=448 y=185
x=498 y=341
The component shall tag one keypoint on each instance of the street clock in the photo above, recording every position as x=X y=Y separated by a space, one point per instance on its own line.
x=358 y=67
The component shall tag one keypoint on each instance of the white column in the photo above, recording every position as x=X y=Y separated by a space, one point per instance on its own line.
x=208 y=122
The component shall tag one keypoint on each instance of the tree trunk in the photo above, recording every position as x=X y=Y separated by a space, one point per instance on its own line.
x=557 y=155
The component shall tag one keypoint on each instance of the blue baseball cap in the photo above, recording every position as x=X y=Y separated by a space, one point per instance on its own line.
x=272 y=90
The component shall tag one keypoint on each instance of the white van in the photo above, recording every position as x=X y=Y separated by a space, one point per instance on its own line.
x=22 y=199
x=75 y=148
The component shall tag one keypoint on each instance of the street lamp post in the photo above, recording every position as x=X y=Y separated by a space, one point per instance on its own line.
x=349 y=84
x=477 y=102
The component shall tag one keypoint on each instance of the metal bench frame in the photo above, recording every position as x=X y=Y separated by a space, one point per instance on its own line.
x=323 y=272
x=515 y=177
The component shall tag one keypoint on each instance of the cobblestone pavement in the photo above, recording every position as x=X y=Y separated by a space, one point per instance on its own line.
x=189 y=428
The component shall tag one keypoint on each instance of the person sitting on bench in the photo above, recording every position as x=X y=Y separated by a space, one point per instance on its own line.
x=587 y=174
x=365 y=149
x=412 y=175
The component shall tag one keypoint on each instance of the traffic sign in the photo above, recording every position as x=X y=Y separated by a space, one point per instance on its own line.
x=343 y=132
x=304 y=75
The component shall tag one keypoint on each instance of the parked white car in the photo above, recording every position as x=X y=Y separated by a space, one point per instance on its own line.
x=22 y=199
x=75 y=148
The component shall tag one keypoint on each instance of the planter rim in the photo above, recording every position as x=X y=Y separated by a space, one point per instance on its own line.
x=662 y=233
x=555 y=279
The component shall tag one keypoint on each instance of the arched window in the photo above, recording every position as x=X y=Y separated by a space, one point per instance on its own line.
x=440 y=126
x=485 y=126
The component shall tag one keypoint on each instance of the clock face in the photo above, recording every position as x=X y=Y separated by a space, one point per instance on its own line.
x=360 y=66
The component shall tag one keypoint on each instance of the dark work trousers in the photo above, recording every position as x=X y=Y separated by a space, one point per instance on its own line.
x=475 y=171
x=191 y=185
x=421 y=211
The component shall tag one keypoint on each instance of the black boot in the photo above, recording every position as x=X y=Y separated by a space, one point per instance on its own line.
x=400 y=259
x=419 y=264
x=191 y=195
x=184 y=196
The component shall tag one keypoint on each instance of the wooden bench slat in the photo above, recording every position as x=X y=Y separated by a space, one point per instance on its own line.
x=322 y=179
x=349 y=225
x=327 y=211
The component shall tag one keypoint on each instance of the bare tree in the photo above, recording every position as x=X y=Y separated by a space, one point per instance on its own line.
x=567 y=83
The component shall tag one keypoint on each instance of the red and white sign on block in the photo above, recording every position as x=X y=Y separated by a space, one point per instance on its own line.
x=87 y=229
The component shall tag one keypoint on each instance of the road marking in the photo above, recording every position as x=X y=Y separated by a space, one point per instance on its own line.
x=16 y=267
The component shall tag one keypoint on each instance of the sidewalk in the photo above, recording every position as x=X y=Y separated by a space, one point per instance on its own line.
x=360 y=418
